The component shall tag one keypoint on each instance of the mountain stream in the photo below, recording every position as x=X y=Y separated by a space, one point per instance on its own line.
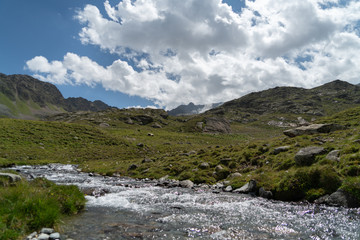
x=124 y=208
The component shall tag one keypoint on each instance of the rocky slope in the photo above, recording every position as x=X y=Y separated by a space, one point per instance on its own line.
x=23 y=96
x=320 y=101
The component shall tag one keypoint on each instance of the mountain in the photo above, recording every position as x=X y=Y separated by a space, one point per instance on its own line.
x=191 y=109
x=22 y=96
x=319 y=101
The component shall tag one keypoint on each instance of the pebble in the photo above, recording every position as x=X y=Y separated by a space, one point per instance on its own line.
x=45 y=234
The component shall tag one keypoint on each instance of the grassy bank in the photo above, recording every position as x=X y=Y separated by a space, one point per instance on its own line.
x=177 y=151
x=29 y=206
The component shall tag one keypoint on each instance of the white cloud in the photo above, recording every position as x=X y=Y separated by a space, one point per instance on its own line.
x=201 y=51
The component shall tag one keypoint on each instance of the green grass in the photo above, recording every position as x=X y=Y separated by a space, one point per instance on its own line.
x=178 y=151
x=29 y=206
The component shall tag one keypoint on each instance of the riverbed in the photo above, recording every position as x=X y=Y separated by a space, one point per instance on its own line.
x=124 y=208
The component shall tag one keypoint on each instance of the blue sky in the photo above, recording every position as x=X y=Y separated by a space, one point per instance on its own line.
x=231 y=52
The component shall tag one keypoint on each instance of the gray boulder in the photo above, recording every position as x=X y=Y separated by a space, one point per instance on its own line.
x=204 y=165
x=247 y=188
x=340 y=198
x=186 y=184
x=228 y=189
x=313 y=129
x=12 y=177
x=43 y=236
x=280 y=149
x=333 y=155
x=235 y=175
x=265 y=194
x=54 y=236
x=306 y=156
x=156 y=125
x=47 y=230
x=132 y=167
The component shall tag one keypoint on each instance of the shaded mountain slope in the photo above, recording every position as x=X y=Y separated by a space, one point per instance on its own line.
x=23 y=96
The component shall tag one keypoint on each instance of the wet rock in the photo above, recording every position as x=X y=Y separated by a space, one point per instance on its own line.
x=228 y=189
x=265 y=194
x=280 y=149
x=132 y=167
x=54 y=236
x=247 y=188
x=306 y=156
x=340 y=198
x=333 y=155
x=313 y=129
x=204 y=165
x=12 y=177
x=186 y=184
x=43 y=236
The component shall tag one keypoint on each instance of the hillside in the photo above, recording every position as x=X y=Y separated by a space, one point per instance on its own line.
x=23 y=96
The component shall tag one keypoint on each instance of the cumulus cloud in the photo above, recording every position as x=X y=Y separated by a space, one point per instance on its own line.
x=201 y=51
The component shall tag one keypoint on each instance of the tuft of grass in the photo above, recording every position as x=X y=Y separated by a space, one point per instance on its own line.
x=29 y=206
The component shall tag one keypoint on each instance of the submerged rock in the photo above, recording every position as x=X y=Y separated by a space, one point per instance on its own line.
x=306 y=156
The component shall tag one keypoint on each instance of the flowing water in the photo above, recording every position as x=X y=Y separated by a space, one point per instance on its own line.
x=132 y=209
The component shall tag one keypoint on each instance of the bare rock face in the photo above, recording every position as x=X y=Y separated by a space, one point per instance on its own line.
x=216 y=125
x=313 y=129
x=306 y=156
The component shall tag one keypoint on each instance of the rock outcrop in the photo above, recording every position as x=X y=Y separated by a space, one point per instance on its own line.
x=306 y=156
x=313 y=129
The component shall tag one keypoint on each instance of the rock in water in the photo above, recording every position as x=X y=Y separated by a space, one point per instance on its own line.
x=247 y=188
x=342 y=198
x=186 y=184
x=306 y=156
x=265 y=194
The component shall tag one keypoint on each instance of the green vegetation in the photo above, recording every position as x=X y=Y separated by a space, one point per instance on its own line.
x=29 y=206
x=180 y=150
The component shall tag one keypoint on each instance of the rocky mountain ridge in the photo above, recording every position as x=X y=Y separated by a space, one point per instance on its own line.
x=22 y=96
x=191 y=109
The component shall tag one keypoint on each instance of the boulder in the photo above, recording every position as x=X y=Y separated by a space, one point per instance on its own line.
x=225 y=161
x=247 y=188
x=280 y=149
x=340 y=198
x=333 y=155
x=132 y=167
x=146 y=160
x=156 y=125
x=186 y=184
x=306 y=156
x=313 y=129
x=265 y=194
x=228 y=189
x=12 y=177
x=216 y=125
x=204 y=165
x=104 y=125
x=235 y=174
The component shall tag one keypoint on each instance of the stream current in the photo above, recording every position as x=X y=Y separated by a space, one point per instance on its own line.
x=125 y=208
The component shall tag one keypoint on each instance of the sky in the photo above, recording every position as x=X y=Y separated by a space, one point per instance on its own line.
x=164 y=53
